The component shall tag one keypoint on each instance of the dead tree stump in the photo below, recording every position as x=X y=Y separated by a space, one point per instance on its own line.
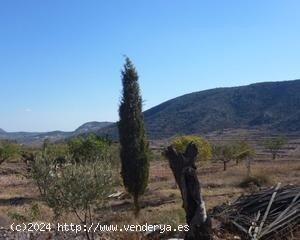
x=184 y=170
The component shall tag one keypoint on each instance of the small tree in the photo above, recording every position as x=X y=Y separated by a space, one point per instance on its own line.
x=77 y=188
x=274 y=145
x=134 y=147
x=236 y=151
x=242 y=150
x=246 y=154
x=223 y=153
x=8 y=149
x=203 y=146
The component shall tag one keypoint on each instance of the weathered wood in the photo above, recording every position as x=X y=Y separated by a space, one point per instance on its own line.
x=184 y=170
x=277 y=207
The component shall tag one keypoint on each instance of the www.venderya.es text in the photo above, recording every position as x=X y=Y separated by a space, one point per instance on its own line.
x=95 y=227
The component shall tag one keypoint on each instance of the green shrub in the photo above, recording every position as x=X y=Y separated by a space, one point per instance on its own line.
x=8 y=150
x=17 y=217
x=34 y=212
x=91 y=148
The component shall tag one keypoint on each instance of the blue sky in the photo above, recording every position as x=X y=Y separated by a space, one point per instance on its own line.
x=60 y=60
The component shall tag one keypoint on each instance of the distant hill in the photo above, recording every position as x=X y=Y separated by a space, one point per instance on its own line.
x=91 y=127
x=38 y=137
x=271 y=105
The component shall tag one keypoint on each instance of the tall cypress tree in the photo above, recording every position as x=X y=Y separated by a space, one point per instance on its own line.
x=134 y=146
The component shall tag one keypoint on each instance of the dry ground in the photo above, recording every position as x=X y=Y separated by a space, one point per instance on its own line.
x=19 y=198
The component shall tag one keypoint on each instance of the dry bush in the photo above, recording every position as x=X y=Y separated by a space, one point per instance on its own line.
x=258 y=180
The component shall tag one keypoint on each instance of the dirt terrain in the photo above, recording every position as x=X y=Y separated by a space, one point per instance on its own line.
x=20 y=201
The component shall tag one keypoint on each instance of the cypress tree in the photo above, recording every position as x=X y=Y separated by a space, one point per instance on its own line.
x=134 y=146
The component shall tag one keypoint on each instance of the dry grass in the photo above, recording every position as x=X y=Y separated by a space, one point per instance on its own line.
x=218 y=187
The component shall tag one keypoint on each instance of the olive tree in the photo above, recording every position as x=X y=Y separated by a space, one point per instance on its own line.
x=74 y=187
x=241 y=151
x=248 y=155
x=274 y=145
x=234 y=151
x=223 y=153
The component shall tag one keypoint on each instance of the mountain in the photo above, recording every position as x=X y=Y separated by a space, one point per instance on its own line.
x=38 y=137
x=91 y=127
x=271 y=105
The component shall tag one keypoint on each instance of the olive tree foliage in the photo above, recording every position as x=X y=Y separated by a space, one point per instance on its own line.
x=223 y=153
x=274 y=145
x=203 y=146
x=91 y=148
x=8 y=149
x=76 y=187
x=242 y=151
x=234 y=151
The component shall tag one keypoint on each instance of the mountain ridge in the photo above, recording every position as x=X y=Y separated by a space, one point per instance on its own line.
x=38 y=137
x=273 y=106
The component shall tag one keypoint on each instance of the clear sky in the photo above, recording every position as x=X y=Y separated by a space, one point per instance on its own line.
x=60 y=60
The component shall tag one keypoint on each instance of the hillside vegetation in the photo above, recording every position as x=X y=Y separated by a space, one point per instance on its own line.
x=272 y=105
